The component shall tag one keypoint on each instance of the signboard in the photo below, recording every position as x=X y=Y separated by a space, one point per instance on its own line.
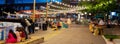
x=113 y=13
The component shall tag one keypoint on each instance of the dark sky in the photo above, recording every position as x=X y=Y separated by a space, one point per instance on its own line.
x=1 y=1
x=28 y=1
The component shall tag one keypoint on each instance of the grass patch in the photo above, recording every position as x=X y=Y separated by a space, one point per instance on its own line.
x=112 y=36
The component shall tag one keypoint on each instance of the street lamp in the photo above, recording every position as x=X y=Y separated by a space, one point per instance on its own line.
x=46 y=10
x=33 y=16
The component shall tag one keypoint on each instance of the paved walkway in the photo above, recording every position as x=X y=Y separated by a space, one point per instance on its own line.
x=76 y=34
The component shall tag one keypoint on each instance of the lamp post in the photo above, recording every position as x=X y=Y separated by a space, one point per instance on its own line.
x=33 y=16
x=46 y=10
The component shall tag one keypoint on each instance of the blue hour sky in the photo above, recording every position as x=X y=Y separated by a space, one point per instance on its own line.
x=29 y=1
x=1 y=1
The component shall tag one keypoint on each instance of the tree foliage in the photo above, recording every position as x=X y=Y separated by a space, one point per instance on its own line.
x=99 y=6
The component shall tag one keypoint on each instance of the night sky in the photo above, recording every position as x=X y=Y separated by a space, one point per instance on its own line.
x=28 y=1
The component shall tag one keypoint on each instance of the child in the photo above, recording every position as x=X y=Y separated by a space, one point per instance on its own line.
x=12 y=38
x=20 y=34
x=18 y=31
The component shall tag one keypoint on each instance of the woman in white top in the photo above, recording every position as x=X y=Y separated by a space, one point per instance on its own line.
x=101 y=22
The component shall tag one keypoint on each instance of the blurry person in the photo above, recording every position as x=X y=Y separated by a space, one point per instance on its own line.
x=54 y=27
x=66 y=25
x=25 y=26
x=51 y=24
x=115 y=22
x=109 y=23
x=59 y=25
x=68 y=21
x=12 y=38
x=28 y=25
x=44 y=26
x=101 y=22
x=22 y=34
x=63 y=25
x=18 y=31
x=101 y=25
x=54 y=20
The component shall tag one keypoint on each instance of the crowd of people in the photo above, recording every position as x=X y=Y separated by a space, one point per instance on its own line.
x=96 y=26
x=102 y=22
x=17 y=36
x=20 y=34
x=58 y=24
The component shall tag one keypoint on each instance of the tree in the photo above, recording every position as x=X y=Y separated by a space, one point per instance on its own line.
x=99 y=6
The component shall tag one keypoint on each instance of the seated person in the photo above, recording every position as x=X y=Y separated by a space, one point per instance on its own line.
x=12 y=38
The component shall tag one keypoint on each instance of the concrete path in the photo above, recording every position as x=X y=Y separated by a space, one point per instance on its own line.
x=76 y=34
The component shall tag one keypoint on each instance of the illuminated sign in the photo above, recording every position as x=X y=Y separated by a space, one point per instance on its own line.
x=113 y=13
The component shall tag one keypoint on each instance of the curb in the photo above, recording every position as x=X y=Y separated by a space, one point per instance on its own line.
x=2 y=42
x=33 y=41
x=106 y=40
x=29 y=41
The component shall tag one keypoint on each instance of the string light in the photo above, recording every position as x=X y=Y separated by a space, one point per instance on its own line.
x=65 y=9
